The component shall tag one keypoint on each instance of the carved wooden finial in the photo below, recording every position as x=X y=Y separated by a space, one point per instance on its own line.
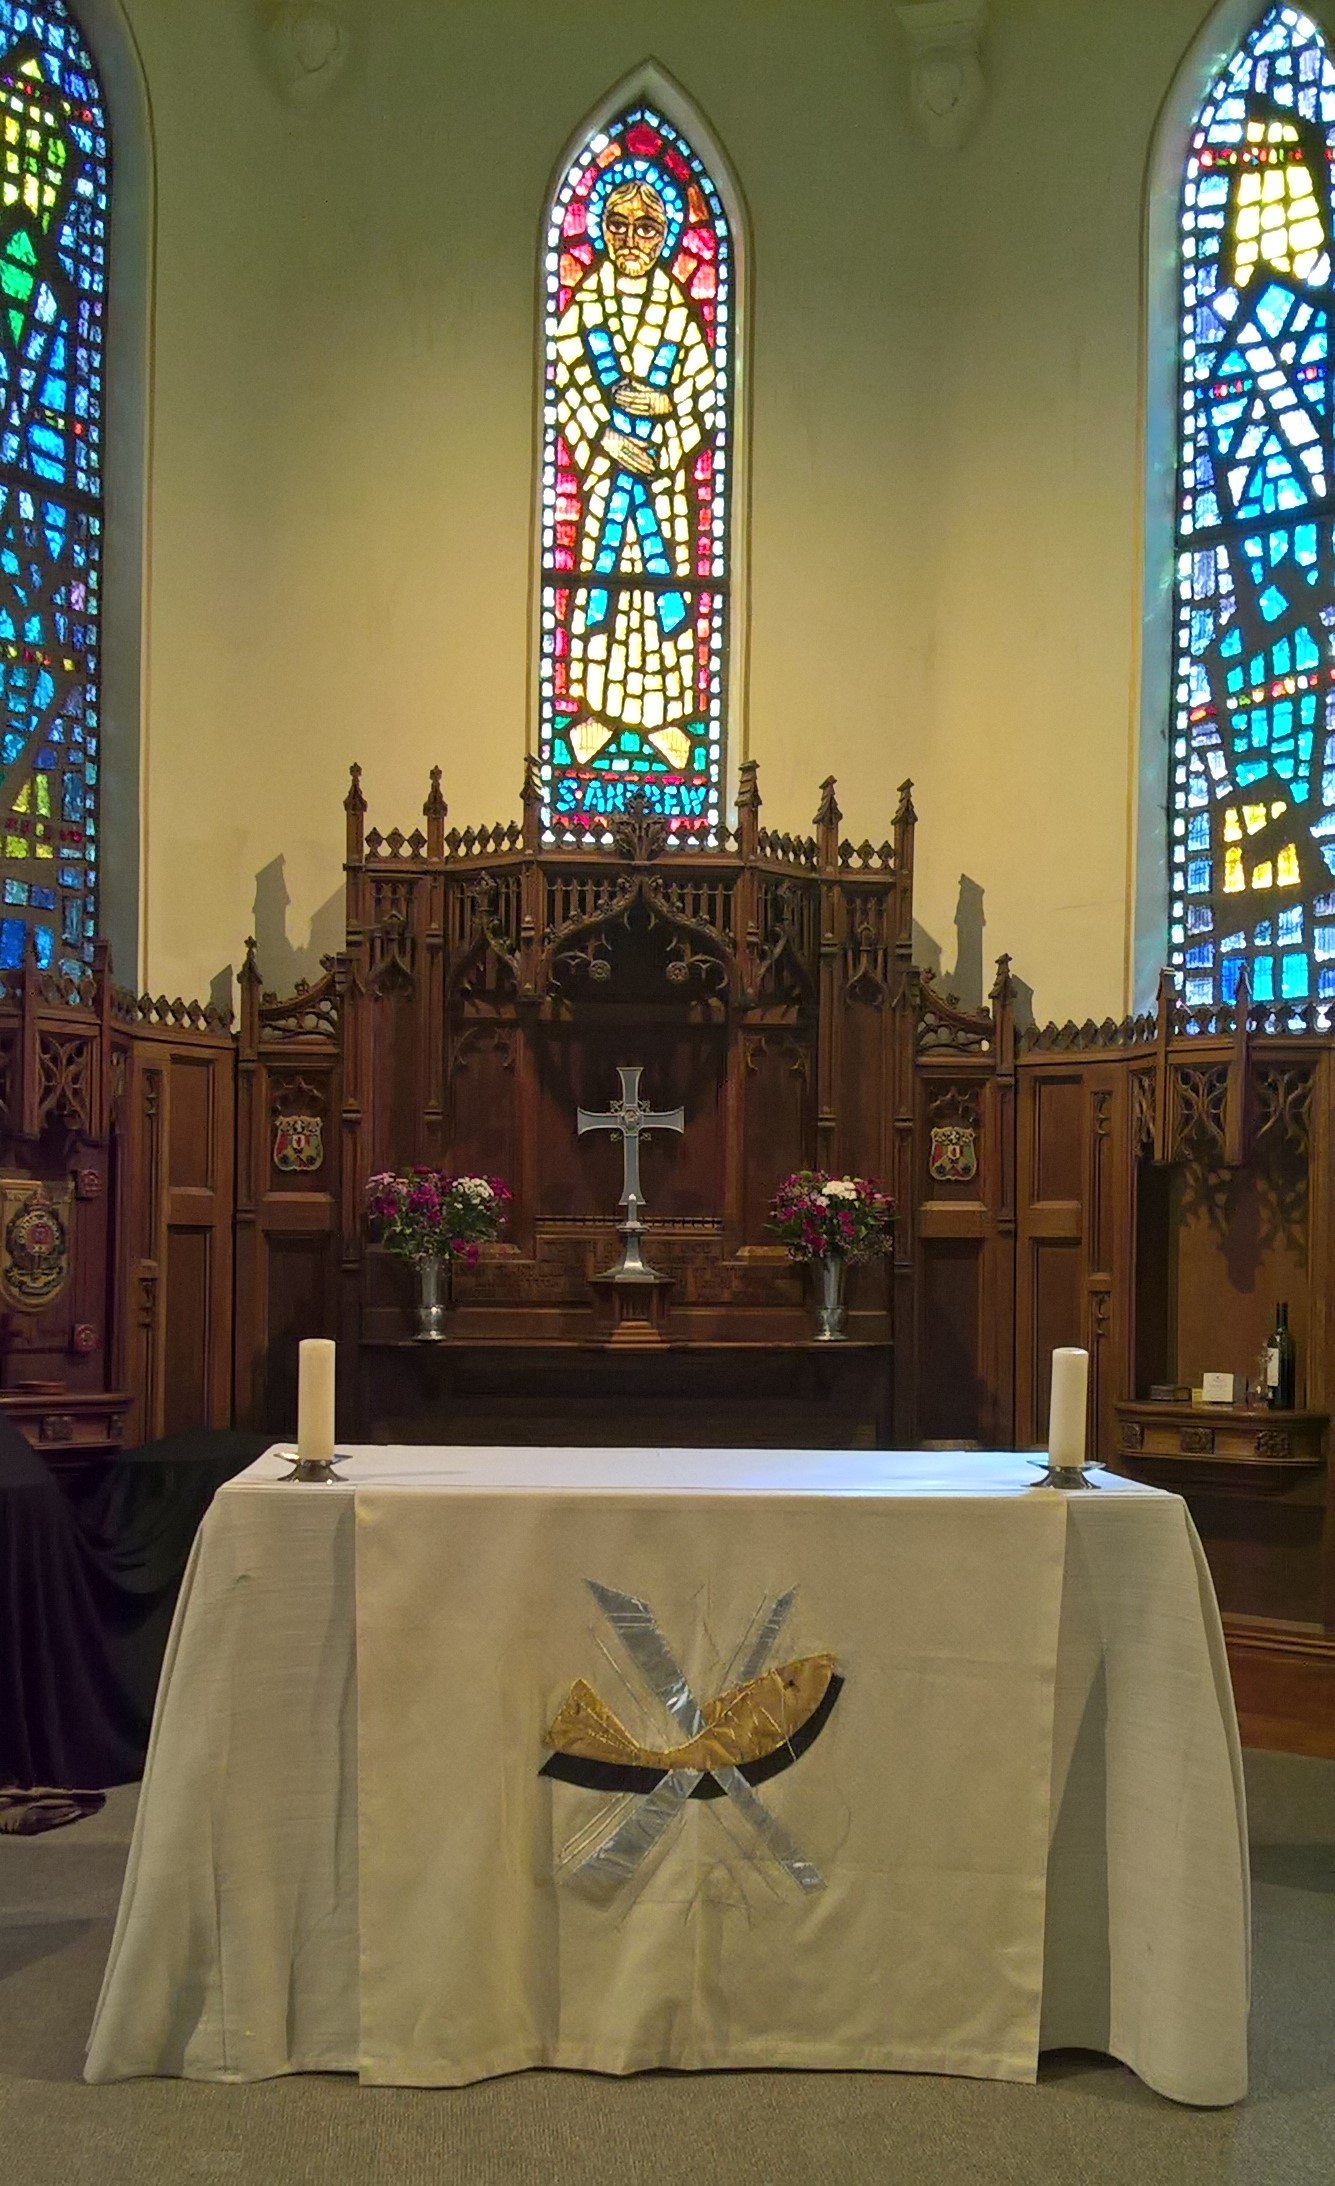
x=354 y=805
x=748 y=807
x=904 y=811
x=829 y=814
x=530 y=801
x=1003 y=987
x=639 y=832
x=249 y=974
x=434 y=812
x=827 y=826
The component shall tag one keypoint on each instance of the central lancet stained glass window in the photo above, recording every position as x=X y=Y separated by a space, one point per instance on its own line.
x=636 y=469
x=1252 y=806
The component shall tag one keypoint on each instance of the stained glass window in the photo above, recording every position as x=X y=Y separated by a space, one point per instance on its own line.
x=53 y=213
x=1252 y=803
x=637 y=361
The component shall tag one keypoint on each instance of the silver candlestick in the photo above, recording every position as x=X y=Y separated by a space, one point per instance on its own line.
x=1068 y=1477
x=312 y=1471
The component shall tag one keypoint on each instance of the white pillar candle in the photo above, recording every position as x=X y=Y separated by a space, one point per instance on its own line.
x=315 y=1398
x=1066 y=1415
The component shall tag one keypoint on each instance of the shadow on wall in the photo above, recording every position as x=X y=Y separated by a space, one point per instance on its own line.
x=966 y=982
x=222 y=991
x=281 y=963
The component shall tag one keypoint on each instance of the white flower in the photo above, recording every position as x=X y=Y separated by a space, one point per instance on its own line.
x=476 y=1187
x=840 y=1187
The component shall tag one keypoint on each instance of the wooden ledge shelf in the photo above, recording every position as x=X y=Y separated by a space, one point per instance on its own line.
x=69 y=1427
x=577 y=1390
x=455 y=1346
x=1230 y=1436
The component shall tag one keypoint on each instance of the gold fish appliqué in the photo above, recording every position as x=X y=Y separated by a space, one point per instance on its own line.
x=743 y=1724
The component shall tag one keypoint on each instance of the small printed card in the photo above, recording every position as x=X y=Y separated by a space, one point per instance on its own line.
x=1217 y=1388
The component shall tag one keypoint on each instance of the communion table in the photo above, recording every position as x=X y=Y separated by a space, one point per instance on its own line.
x=1001 y=1810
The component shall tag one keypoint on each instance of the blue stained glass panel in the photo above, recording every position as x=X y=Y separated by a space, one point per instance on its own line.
x=1254 y=734
x=54 y=164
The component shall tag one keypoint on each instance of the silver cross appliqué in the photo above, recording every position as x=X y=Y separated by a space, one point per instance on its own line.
x=620 y=1854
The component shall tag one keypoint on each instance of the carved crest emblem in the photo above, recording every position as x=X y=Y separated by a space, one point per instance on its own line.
x=298 y=1142
x=954 y=1155
x=34 y=1241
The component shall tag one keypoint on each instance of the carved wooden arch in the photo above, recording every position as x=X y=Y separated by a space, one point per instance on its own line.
x=642 y=890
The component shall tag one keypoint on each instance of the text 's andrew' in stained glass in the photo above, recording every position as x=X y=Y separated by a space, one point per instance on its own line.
x=637 y=359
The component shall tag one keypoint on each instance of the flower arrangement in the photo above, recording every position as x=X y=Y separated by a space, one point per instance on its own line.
x=823 y=1217
x=426 y=1214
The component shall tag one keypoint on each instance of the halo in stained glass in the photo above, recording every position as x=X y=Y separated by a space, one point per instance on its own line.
x=635 y=485
x=54 y=166
x=1252 y=794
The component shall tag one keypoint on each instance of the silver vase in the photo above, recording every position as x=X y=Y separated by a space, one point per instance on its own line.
x=831 y=1313
x=433 y=1298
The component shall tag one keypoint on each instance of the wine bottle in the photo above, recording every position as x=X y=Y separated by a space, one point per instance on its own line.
x=1282 y=1364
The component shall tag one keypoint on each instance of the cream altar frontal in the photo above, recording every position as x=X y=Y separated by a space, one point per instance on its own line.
x=488 y=1759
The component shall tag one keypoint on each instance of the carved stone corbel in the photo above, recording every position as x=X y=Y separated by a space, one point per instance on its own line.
x=946 y=71
x=307 y=44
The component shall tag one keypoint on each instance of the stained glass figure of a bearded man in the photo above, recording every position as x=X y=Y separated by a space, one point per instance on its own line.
x=635 y=393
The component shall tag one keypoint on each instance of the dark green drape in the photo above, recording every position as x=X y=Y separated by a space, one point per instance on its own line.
x=88 y=1581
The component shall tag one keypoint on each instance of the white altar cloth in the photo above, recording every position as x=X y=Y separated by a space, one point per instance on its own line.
x=1020 y=1825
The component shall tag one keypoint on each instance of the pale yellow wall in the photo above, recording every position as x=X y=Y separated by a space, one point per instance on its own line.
x=945 y=373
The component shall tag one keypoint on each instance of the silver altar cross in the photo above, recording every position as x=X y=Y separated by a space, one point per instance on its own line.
x=631 y=1117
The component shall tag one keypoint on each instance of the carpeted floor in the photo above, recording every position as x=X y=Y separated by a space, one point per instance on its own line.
x=1087 y=2123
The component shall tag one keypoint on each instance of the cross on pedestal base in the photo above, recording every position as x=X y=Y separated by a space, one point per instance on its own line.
x=633 y=1295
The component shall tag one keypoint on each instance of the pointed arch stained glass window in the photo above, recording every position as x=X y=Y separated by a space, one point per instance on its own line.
x=1252 y=803
x=636 y=470
x=53 y=213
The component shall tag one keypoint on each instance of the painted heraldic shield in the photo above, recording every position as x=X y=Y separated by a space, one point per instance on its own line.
x=34 y=1241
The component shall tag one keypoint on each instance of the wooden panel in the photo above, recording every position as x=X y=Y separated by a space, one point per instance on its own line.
x=484 y=1121
x=186 y=1345
x=1263 y=1550
x=683 y=1066
x=300 y=1304
x=697 y=1395
x=865 y=1072
x=776 y=1079
x=1056 y=1291
x=951 y=1394
x=1153 y=1266
x=180 y=1094
x=396 y=1134
x=141 y=1231
x=287 y=1238
x=1052 y=1185
x=191 y=1140
x=1058 y=1126
x=1284 y=1684
x=1238 y=1246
